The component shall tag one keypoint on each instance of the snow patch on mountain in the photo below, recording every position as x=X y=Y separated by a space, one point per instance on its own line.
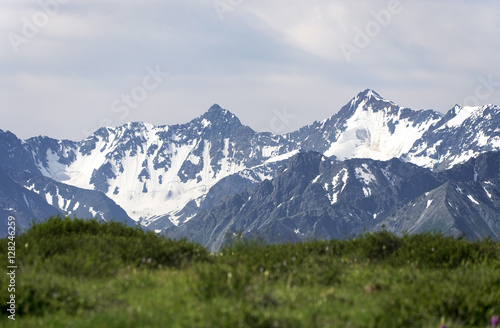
x=339 y=182
x=472 y=199
x=363 y=174
x=282 y=157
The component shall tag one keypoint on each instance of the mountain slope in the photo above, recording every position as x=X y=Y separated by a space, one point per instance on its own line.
x=311 y=197
x=27 y=196
x=15 y=155
x=71 y=200
x=463 y=133
x=453 y=209
x=314 y=197
x=21 y=203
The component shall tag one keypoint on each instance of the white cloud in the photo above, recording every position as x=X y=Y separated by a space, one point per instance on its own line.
x=262 y=55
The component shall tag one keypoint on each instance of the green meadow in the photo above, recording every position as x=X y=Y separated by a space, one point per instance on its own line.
x=77 y=273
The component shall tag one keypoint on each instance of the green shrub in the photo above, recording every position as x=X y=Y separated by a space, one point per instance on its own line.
x=63 y=249
x=88 y=248
x=374 y=246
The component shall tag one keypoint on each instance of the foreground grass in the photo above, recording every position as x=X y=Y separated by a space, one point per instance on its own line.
x=75 y=273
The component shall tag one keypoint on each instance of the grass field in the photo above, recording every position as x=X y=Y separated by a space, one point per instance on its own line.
x=75 y=273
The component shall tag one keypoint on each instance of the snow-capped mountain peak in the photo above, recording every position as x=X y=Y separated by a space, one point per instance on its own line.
x=217 y=108
x=371 y=100
x=373 y=127
x=217 y=116
x=458 y=115
x=369 y=93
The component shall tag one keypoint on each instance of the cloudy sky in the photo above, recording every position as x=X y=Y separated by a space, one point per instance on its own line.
x=68 y=67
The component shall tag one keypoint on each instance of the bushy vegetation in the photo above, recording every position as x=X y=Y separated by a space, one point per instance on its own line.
x=76 y=273
x=57 y=256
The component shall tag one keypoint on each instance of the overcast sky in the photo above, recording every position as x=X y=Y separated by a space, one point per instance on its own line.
x=68 y=67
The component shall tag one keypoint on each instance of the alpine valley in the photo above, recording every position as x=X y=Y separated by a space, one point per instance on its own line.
x=373 y=165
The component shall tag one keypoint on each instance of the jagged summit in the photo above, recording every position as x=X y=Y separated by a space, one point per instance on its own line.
x=129 y=129
x=216 y=115
x=368 y=93
x=215 y=107
x=364 y=101
x=370 y=99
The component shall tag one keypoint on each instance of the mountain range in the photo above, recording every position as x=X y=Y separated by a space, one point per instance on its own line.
x=372 y=165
